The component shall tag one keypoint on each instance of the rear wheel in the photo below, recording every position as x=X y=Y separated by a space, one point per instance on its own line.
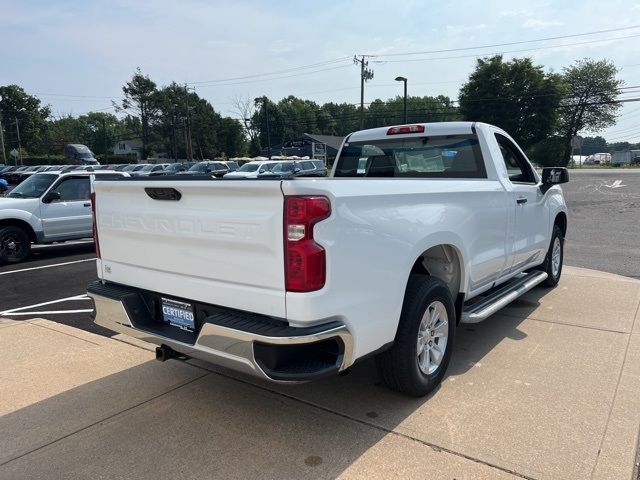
x=14 y=245
x=418 y=360
x=554 y=259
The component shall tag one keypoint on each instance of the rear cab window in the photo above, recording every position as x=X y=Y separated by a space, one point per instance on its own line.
x=447 y=156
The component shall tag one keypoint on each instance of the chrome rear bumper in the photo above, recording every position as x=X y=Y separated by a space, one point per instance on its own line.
x=229 y=347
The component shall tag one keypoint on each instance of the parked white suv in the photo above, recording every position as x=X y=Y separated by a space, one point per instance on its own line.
x=252 y=169
x=52 y=206
x=419 y=227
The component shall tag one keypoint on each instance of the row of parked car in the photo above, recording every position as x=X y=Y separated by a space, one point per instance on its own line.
x=15 y=175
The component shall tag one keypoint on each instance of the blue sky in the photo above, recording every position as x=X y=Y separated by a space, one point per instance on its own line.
x=76 y=55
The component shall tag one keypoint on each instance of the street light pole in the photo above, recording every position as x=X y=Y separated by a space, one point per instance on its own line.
x=404 y=80
x=4 y=153
x=19 y=143
x=265 y=102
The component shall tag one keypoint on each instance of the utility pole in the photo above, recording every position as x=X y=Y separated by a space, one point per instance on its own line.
x=366 y=74
x=188 y=127
x=104 y=137
x=4 y=153
x=174 y=144
x=19 y=143
x=265 y=103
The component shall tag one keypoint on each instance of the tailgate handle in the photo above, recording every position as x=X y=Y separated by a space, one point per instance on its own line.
x=160 y=193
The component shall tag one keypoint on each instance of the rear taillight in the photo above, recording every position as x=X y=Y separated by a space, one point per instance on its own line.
x=305 y=261
x=405 y=129
x=95 y=224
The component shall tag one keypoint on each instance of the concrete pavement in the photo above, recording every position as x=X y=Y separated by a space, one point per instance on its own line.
x=548 y=388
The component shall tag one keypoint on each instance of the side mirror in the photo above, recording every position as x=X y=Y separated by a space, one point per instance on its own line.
x=553 y=176
x=52 y=196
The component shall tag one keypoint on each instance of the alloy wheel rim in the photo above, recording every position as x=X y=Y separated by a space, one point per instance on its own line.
x=433 y=335
x=556 y=257
x=10 y=245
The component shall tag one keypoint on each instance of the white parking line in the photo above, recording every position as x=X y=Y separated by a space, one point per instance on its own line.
x=48 y=266
x=77 y=297
x=49 y=312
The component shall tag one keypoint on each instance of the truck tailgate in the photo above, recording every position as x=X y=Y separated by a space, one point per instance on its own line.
x=220 y=243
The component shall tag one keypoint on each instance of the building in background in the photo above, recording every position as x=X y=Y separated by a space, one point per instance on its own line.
x=129 y=147
x=321 y=147
x=626 y=157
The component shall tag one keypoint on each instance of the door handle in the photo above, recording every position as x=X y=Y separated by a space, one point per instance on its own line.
x=87 y=204
x=521 y=200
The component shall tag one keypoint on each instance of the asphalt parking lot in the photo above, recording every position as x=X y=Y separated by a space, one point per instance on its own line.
x=604 y=220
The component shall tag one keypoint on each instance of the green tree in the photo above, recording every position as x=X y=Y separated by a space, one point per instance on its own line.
x=591 y=145
x=590 y=102
x=98 y=130
x=231 y=138
x=515 y=95
x=31 y=115
x=61 y=131
x=547 y=152
x=102 y=131
x=344 y=118
x=170 y=120
x=140 y=99
x=419 y=109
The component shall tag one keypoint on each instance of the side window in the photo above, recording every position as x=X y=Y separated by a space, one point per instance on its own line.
x=307 y=166
x=518 y=168
x=74 y=189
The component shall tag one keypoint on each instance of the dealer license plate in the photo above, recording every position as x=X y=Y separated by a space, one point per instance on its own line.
x=178 y=314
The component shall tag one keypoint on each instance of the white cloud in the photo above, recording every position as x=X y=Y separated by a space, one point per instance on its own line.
x=539 y=23
x=516 y=13
x=457 y=29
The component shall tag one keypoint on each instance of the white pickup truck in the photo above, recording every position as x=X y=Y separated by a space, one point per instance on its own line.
x=418 y=228
x=47 y=207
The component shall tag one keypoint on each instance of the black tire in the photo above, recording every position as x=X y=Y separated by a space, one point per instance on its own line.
x=15 y=245
x=553 y=276
x=398 y=367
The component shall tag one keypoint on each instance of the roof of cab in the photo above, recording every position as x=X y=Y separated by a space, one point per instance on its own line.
x=436 y=128
x=81 y=172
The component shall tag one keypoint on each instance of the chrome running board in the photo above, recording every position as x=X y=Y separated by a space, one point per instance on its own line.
x=483 y=309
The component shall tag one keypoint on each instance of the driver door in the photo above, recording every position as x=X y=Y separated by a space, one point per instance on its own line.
x=70 y=215
x=529 y=233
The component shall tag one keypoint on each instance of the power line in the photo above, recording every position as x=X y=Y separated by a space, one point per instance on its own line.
x=476 y=55
x=278 y=72
x=260 y=80
x=626 y=136
x=509 y=43
x=75 y=96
